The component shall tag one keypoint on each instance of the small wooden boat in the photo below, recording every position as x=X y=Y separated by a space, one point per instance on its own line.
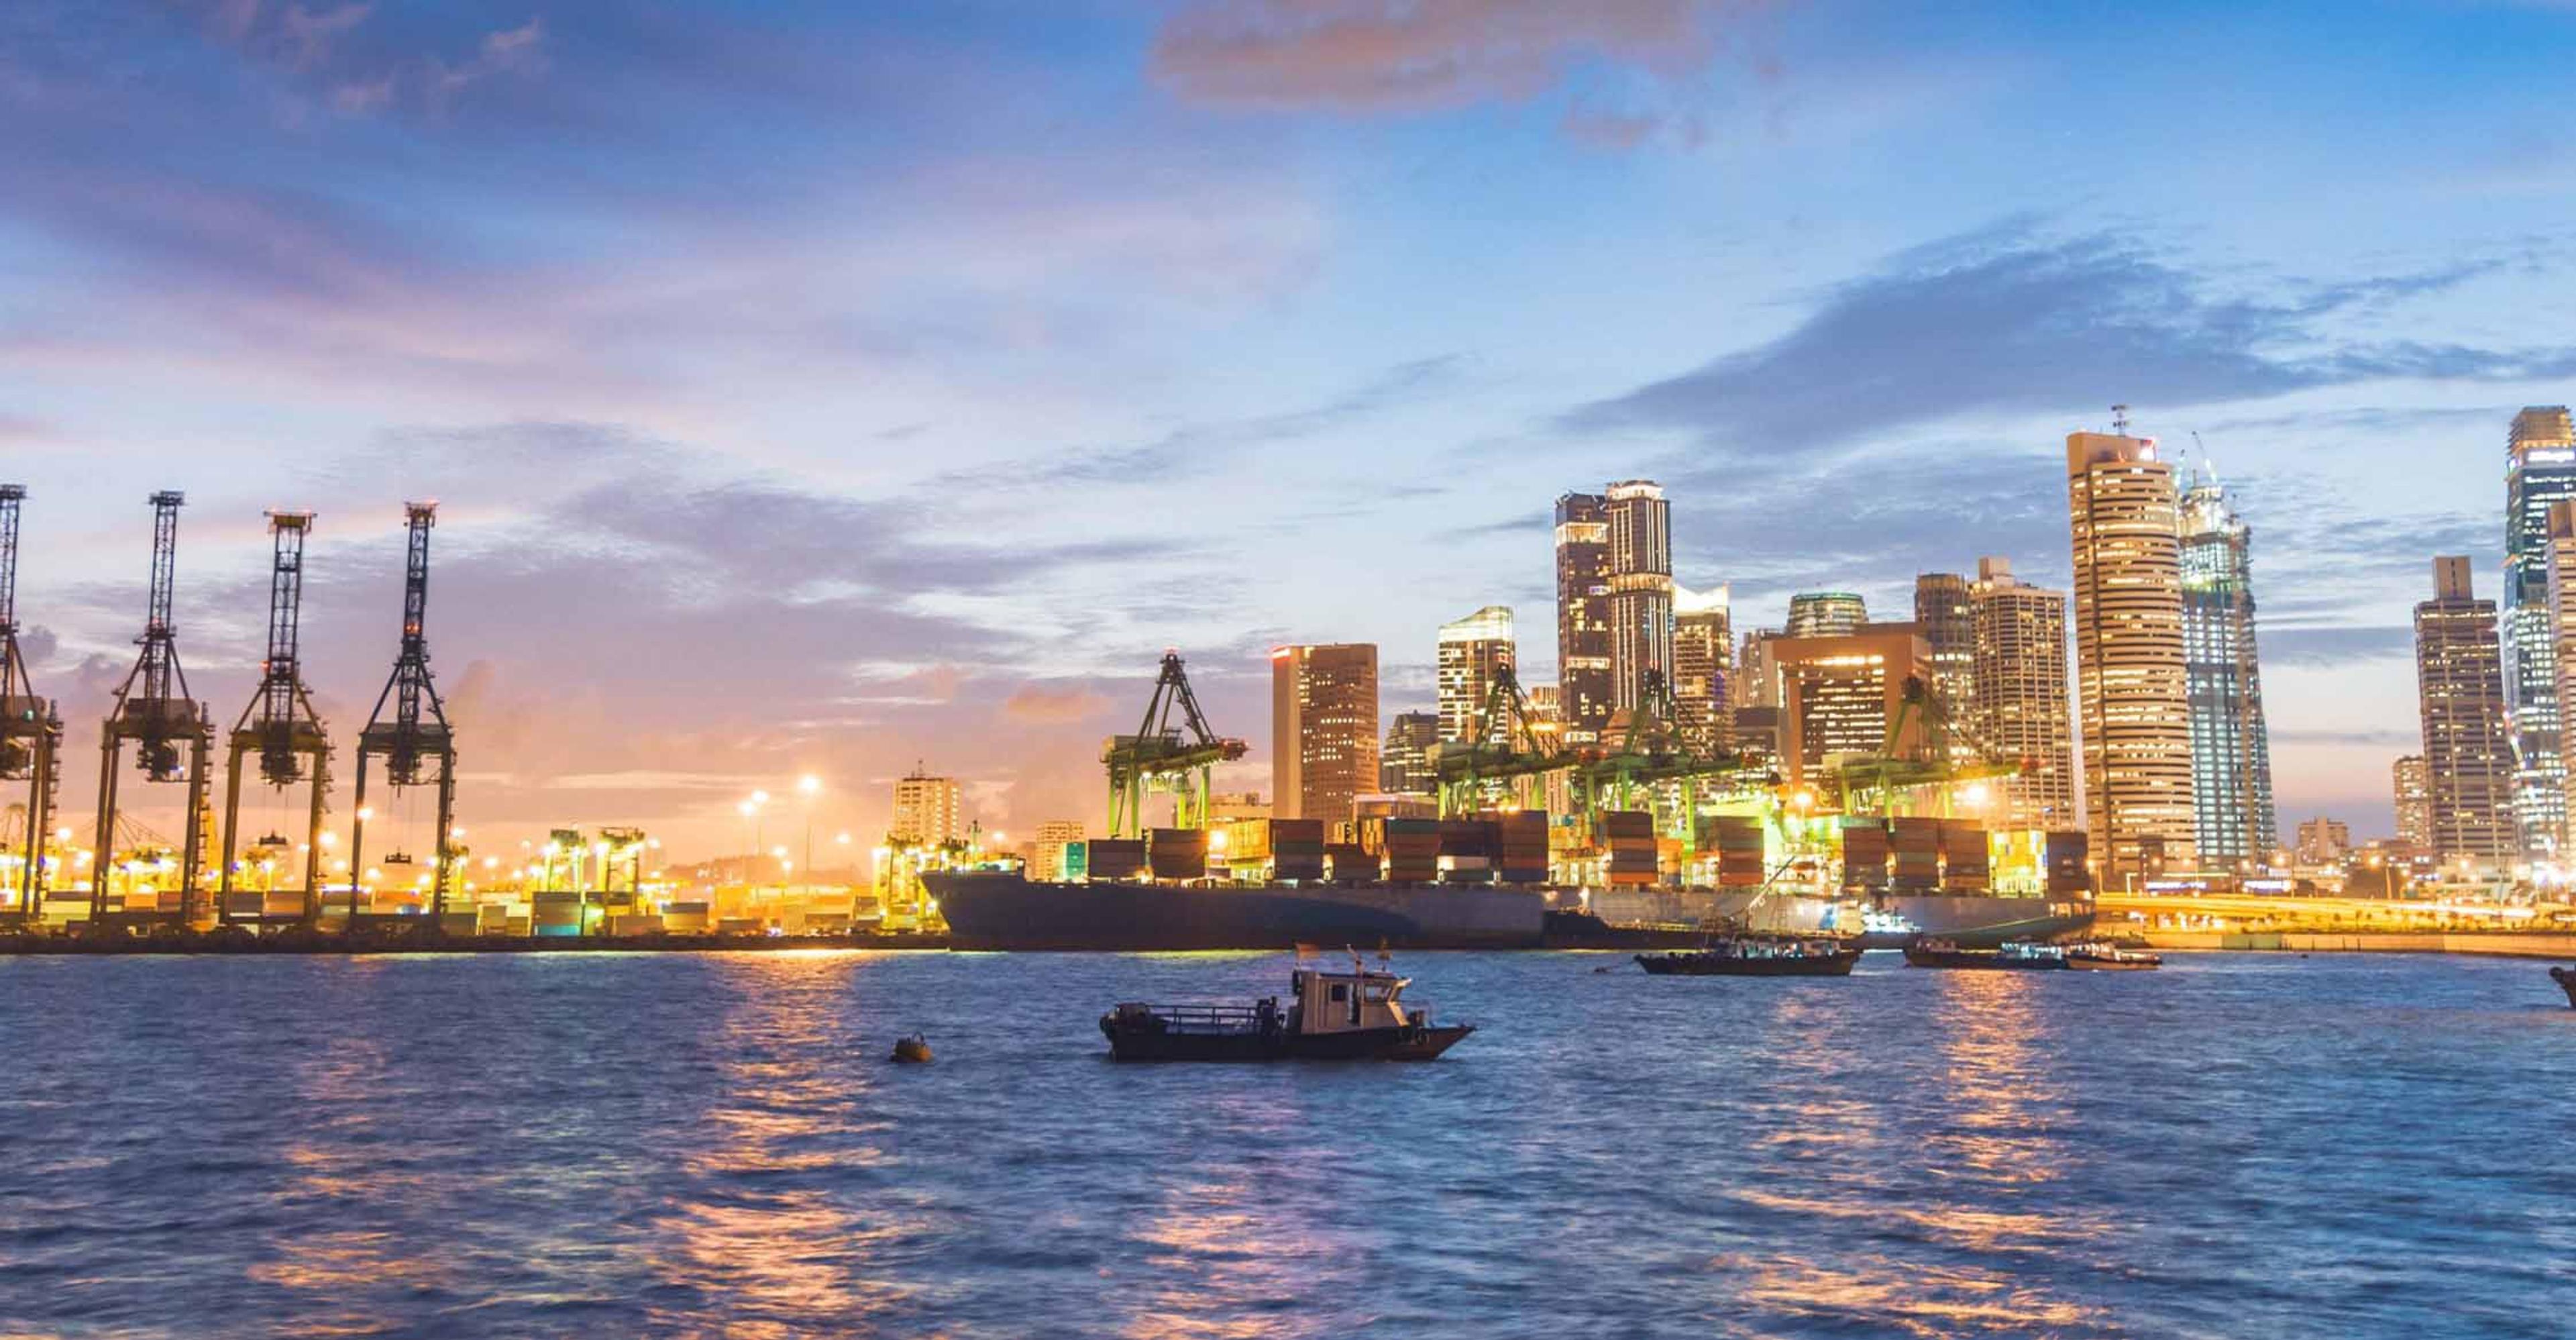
x=1756 y=956
x=912 y=1049
x=1332 y=1016
x=2566 y=980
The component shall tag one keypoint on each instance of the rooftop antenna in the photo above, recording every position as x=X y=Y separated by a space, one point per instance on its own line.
x=155 y=711
x=418 y=734
x=2120 y=420
x=279 y=723
x=31 y=734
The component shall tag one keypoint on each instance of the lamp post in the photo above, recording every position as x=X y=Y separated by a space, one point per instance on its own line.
x=809 y=786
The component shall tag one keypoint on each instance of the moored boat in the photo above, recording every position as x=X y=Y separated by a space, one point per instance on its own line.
x=2011 y=956
x=2566 y=979
x=2102 y=956
x=1358 y=1015
x=1756 y=956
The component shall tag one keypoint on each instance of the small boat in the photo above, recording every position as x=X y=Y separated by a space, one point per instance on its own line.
x=1358 y=1015
x=912 y=1049
x=2566 y=980
x=2013 y=956
x=1756 y=956
x=2102 y=956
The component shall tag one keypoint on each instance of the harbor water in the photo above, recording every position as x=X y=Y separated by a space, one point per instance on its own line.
x=609 y=1144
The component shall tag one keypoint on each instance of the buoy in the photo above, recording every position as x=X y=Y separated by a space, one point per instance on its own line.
x=912 y=1049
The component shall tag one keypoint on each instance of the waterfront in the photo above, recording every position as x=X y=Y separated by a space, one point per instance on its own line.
x=2239 y=1145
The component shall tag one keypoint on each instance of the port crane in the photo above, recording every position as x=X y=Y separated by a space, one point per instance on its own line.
x=416 y=744
x=279 y=725
x=1467 y=770
x=1164 y=756
x=31 y=733
x=1868 y=784
x=1652 y=750
x=155 y=712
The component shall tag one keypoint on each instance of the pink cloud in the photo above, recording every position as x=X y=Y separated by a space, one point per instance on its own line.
x=1037 y=704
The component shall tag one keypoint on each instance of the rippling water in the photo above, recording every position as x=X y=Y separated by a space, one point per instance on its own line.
x=621 y=1145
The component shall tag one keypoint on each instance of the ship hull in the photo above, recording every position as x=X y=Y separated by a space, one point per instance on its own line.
x=1704 y=964
x=1003 y=910
x=1137 y=1042
x=2566 y=979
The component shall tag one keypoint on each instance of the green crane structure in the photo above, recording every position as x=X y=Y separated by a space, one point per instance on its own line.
x=1164 y=756
x=1868 y=784
x=1468 y=771
x=1651 y=751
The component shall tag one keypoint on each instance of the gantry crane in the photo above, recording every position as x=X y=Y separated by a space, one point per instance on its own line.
x=417 y=738
x=1869 y=783
x=31 y=734
x=156 y=713
x=1161 y=757
x=1519 y=748
x=279 y=723
x=1651 y=750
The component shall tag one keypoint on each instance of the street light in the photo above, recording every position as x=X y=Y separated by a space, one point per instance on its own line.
x=809 y=786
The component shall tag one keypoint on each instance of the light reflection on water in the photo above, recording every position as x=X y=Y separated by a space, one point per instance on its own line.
x=620 y=1145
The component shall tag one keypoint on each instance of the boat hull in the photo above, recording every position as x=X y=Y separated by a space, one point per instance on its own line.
x=1980 y=961
x=1141 y=1040
x=2566 y=979
x=1703 y=964
x=1006 y=911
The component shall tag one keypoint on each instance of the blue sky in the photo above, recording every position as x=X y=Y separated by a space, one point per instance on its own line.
x=825 y=387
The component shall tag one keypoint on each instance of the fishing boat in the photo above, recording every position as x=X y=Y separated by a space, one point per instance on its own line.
x=912 y=1049
x=1756 y=956
x=2103 y=956
x=2566 y=980
x=2011 y=956
x=1358 y=1015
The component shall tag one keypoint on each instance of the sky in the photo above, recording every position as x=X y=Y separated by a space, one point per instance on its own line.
x=828 y=388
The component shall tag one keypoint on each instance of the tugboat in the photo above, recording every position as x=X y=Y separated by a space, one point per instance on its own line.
x=2015 y=955
x=1332 y=1016
x=2103 y=956
x=912 y=1049
x=1756 y=956
x=2566 y=980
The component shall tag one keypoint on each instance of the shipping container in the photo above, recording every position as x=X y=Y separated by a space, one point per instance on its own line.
x=1176 y=853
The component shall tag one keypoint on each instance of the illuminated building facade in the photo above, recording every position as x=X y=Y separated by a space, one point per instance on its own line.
x=2020 y=710
x=2559 y=588
x=2540 y=469
x=1046 y=853
x=1839 y=694
x=1474 y=652
x=2468 y=759
x=928 y=811
x=1703 y=650
x=1323 y=729
x=1404 y=764
x=2324 y=841
x=1641 y=589
x=1583 y=662
x=1754 y=683
x=2129 y=655
x=2233 y=822
x=1949 y=628
x=1826 y=613
x=2412 y=790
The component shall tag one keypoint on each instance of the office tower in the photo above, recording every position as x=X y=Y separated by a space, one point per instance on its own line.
x=2468 y=761
x=1755 y=685
x=1323 y=729
x=1840 y=693
x=1404 y=765
x=1703 y=647
x=1583 y=668
x=2129 y=654
x=2231 y=753
x=1046 y=854
x=1826 y=613
x=1474 y=653
x=2020 y=711
x=2558 y=568
x=2540 y=469
x=2324 y=841
x=1949 y=629
x=1641 y=589
x=2412 y=788
x=928 y=811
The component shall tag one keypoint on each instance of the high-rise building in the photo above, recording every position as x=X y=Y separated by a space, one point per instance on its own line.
x=1755 y=684
x=1323 y=729
x=1474 y=653
x=1641 y=589
x=1046 y=854
x=2412 y=789
x=2020 y=710
x=2323 y=841
x=2468 y=761
x=2559 y=585
x=928 y=811
x=1583 y=669
x=1826 y=613
x=2233 y=823
x=1404 y=765
x=1949 y=627
x=2129 y=654
x=2540 y=469
x=1840 y=692
x=1703 y=649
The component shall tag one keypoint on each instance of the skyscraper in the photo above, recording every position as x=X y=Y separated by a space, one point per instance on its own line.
x=2129 y=654
x=928 y=811
x=1703 y=649
x=1840 y=693
x=1826 y=613
x=1754 y=683
x=2231 y=752
x=2020 y=711
x=2540 y=469
x=2412 y=789
x=1323 y=729
x=1474 y=652
x=1583 y=669
x=1641 y=589
x=2558 y=566
x=2468 y=761
x=1949 y=627
x=1404 y=765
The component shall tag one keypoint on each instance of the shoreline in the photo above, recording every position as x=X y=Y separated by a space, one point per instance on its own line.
x=2487 y=944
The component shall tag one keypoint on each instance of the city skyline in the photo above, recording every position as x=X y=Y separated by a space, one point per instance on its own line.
x=915 y=448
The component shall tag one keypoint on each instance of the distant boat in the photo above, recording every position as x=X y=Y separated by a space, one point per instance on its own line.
x=2566 y=979
x=912 y=1049
x=2013 y=956
x=1332 y=1016
x=1757 y=956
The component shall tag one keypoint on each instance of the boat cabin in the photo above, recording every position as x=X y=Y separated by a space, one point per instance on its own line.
x=1342 y=1002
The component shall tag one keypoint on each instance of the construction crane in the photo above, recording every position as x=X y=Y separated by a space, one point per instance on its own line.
x=1869 y=783
x=416 y=740
x=31 y=734
x=279 y=724
x=155 y=712
x=1163 y=756
x=1652 y=750
x=1468 y=770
